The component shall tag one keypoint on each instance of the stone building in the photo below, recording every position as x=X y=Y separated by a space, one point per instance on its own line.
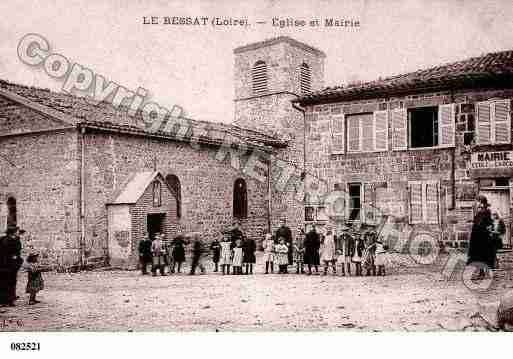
x=416 y=148
x=84 y=179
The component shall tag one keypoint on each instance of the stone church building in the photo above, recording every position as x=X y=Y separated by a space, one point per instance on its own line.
x=88 y=182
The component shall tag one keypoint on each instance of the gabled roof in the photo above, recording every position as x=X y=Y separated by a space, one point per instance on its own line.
x=277 y=40
x=76 y=111
x=493 y=69
x=134 y=187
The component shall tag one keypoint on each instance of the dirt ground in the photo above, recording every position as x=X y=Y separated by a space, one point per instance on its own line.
x=409 y=298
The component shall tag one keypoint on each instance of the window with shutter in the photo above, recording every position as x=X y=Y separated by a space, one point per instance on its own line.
x=416 y=214
x=381 y=130
x=446 y=125
x=367 y=133
x=501 y=119
x=399 y=118
x=305 y=78
x=483 y=128
x=360 y=132
x=431 y=202
x=424 y=202
x=259 y=77
x=337 y=134
x=368 y=195
x=353 y=133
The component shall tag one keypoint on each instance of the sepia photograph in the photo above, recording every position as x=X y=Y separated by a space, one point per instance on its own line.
x=255 y=167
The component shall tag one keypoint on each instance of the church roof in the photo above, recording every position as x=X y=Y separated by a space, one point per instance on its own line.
x=492 y=69
x=134 y=187
x=77 y=111
x=277 y=40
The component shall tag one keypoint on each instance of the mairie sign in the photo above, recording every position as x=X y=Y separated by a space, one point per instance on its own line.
x=492 y=159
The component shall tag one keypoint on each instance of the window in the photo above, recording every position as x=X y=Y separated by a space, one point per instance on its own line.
x=309 y=214
x=423 y=127
x=259 y=78
x=493 y=122
x=305 y=79
x=176 y=189
x=157 y=194
x=424 y=202
x=240 y=199
x=355 y=204
x=366 y=132
x=423 y=124
x=12 y=212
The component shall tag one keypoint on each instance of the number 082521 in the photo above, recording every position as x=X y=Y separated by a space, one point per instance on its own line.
x=25 y=346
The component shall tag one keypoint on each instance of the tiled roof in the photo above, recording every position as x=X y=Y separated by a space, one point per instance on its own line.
x=277 y=40
x=77 y=111
x=134 y=187
x=490 y=69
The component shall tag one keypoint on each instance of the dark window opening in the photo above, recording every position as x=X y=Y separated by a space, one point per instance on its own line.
x=355 y=204
x=309 y=214
x=423 y=127
x=240 y=199
x=176 y=189
x=12 y=215
x=155 y=224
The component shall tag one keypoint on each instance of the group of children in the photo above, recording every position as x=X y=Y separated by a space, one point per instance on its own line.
x=350 y=248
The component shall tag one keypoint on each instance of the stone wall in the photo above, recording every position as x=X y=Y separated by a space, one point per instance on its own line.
x=206 y=183
x=391 y=170
x=44 y=182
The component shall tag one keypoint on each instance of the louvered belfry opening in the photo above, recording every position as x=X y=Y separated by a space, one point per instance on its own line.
x=259 y=76
x=305 y=78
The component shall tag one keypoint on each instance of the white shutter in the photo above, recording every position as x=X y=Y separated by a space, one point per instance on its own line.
x=367 y=133
x=367 y=197
x=416 y=208
x=483 y=123
x=381 y=130
x=431 y=201
x=501 y=120
x=446 y=125
x=353 y=134
x=337 y=134
x=3 y=217
x=399 y=129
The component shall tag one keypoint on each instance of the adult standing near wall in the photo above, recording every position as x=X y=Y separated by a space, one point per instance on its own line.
x=312 y=245
x=10 y=264
x=480 y=237
x=145 y=254
x=498 y=232
x=285 y=232
x=157 y=251
x=236 y=233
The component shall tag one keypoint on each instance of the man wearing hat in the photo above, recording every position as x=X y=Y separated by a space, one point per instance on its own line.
x=10 y=263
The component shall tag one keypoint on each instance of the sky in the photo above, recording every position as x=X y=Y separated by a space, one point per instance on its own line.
x=192 y=66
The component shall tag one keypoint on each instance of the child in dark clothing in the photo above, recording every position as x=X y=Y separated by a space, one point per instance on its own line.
x=215 y=247
x=35 y=281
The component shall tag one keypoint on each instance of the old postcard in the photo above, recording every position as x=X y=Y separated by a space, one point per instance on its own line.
x=241 y=166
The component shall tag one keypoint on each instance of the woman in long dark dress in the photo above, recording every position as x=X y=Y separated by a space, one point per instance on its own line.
x=312 y=245
x=249 y=258
x=178 y=252
x=480 y=246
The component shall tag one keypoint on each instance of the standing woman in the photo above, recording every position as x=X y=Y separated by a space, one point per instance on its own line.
x=480 y=238
x=312 y=245
x=178 y=253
